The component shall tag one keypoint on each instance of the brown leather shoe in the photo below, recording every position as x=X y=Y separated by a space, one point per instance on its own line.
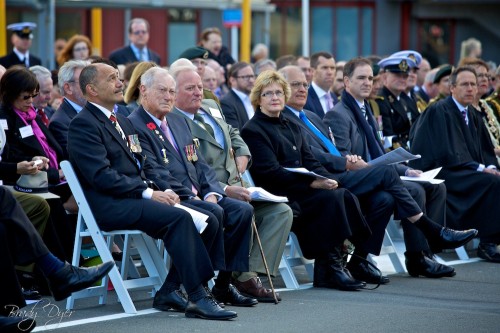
x=254 y=288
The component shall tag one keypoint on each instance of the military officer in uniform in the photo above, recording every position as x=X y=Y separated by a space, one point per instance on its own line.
x=442 y=80
x=397 y=113
x=22 y=35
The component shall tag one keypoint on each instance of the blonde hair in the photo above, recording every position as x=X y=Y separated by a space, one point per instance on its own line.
x=132 y=92
x=266 y=78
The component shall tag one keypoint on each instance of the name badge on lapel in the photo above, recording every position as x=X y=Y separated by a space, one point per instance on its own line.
x=135 y=145
x=215 y=113
x=191 y=154
x=26 y=131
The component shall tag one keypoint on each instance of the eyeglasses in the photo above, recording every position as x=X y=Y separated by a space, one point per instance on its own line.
x=139 y=32
x=246 y=77
x=78 y=49
x=483 y=75
x=270 y=94
x=297 y=85
x=29 y=96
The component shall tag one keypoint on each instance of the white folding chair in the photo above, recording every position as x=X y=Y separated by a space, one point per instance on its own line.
x=145 y=245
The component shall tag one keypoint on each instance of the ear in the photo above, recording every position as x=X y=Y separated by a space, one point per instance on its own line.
x=91 y=90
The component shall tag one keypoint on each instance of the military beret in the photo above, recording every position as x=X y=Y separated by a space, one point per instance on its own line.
x=22 y=29
x=444 y=71
x=195 y=52
x=413 y=55
x=397 y=64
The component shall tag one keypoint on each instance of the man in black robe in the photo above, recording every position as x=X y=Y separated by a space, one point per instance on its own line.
x=449 y=135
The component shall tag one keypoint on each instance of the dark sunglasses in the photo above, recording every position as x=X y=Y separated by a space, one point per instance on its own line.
x=29 y=96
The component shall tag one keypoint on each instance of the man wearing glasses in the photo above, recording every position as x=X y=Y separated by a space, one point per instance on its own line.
x=138 y=35
x=236 y=104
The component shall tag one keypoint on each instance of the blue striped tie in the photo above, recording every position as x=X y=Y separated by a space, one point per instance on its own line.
x=331 y=147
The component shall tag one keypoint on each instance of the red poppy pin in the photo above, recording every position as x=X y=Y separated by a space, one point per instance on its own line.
x=151 y=126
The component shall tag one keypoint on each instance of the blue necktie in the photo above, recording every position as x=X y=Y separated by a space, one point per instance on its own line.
x=331 y=147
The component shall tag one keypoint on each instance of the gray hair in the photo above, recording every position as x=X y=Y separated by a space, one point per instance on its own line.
x=67 y=72
x=148 y=78
x=262 y=63
x=175 y=71
x=40 y=72
x=429 y=77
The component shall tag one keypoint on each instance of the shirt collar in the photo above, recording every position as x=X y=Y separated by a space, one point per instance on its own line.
x=156 y=120
x=295 y=111
x=240 y=94
x=187 y=114
x=75 y=106
x=106 y=112
x=459 y=106
x=137 y=51
x=21 y=55
x=319 y=91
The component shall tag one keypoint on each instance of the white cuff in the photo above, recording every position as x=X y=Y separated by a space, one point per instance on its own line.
x=147 y=193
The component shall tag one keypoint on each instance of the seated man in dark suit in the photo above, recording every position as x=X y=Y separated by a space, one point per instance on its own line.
x=228 y=155
x=356 y=132
x=106 y=154
x=138 y=35
x=72 y=103
x=169 y=148
x=379 y=189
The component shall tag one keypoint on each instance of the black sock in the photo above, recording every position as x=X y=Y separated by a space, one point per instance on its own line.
x=431 y=229
x=223 y=280
x=197 y=293
x=358 y=256
x=49 y=264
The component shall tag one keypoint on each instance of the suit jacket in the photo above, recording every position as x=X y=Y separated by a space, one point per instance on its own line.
x=350 y=138
x=334 y=164
x=219 y=158
x=108 y=171
x=125 y=55
x=24 y=149
x=313 y=103
x=178 y=173
x=59 y=124
x=11 y=59
x=394 y=114
x=234 y=110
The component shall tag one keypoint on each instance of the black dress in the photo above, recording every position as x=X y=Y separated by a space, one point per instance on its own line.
x=325 y=217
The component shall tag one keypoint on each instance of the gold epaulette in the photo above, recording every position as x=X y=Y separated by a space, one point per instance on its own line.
x=379 y=97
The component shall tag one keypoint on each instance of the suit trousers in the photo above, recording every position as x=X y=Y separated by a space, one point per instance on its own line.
x=274 y=221
x=38 y=212
x=11 y=294
x=212 y=236
x=27 y=245
x=237 y=233
x=182 y=241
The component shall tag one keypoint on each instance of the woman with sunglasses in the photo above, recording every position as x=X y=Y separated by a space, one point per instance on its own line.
x=27 y=136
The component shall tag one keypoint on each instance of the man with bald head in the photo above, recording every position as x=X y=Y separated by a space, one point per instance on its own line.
x=108 y=160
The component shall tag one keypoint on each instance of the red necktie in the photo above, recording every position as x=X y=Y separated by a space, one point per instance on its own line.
x=43 y=116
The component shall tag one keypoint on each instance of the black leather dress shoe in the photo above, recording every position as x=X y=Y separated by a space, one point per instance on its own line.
x=364 y=272
x=208 y=308
x=488 y=251
x=31 y=294
x=232 y=296
x=16 y=324
x=451 y=239
x=174 y=300
x=419 y=264
x=70 y=279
